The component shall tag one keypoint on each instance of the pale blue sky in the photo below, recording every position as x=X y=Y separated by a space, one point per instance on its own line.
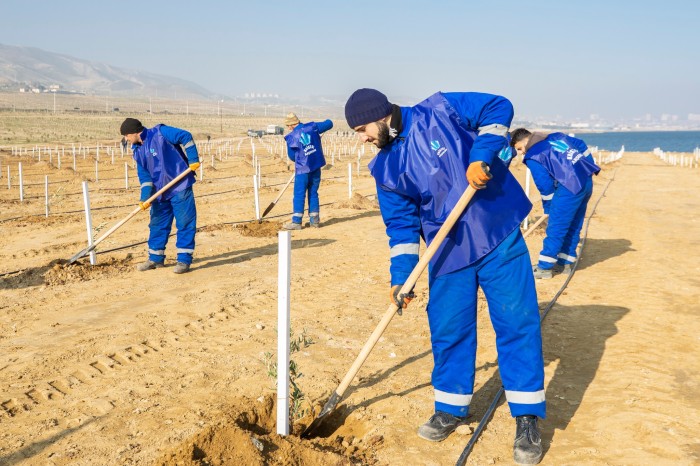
x=569 y=58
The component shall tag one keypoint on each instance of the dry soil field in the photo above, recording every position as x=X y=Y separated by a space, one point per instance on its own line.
x=104 y=365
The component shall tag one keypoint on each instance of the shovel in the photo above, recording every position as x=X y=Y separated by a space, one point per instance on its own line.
x=272 y=204
x=384 y=323
x=89 y=249
x=535 y=225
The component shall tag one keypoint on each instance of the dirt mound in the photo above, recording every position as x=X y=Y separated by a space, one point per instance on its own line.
x=61 y=273
x=255 y=229
x=249 y=438
x=358 y=202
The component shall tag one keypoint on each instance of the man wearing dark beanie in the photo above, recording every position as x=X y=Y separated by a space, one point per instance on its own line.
x=160 y=158
x=430 y=154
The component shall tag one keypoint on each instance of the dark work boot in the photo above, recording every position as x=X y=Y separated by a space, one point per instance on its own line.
x=563 y=268
x=181 y=267
x=527 y=448
x=148 y=265
x=541 y=274
x=439 y=426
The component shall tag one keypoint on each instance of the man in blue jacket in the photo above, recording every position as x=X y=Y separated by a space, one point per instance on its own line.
x=159 y=159
x=305 y=150
x=562 y=168
x=429 y=154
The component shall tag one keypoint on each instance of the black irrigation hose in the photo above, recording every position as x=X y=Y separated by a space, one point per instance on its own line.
x=128 y=246
x=462 y=460
x=69 y=212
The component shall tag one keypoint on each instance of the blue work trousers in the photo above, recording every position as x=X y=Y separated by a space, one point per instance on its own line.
x=505 y=276
x=306 y=184
x=180 y=207
x=566 y=214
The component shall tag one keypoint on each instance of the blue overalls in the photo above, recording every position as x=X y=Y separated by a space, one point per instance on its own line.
x=562 y=169
x=305 y=149
x=420 y=177
x=159 y=160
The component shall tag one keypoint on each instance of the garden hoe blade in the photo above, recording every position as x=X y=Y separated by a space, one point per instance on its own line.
x=273 y=203
x=327 y=409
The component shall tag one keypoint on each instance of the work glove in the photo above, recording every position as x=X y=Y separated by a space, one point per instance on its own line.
x=194 y=166
x=400 y=300
x=146 y=193
x=478 y=174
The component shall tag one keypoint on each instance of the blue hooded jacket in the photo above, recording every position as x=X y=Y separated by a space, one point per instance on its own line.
x=304 y=146
x=421 y=175
x=566 y=159
x=163 y=161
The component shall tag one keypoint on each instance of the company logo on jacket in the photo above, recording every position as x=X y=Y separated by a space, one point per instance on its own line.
x=435 y=145
x=571 y=154
x=308 y=147
x=153 y=152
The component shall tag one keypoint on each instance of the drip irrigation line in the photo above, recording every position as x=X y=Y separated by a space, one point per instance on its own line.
x=69 y=212
x=199 y=229
x=462 y=460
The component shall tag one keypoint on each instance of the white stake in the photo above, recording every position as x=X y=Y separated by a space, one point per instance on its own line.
x=8 y=177
x=74 y=161
x=257 y=199
x=283 y=327
x=201 y=172
x=126 y=175
x=349 y=180
x=97 y=175
x=21 y=184
x=88 y=221
x=58 y=154
x=46 y=194
x=528 y=175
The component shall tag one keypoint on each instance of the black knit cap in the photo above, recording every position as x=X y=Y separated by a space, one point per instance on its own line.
x=131 y=126
x=366 y=106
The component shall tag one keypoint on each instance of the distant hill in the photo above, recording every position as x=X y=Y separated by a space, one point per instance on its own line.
x=38 y=68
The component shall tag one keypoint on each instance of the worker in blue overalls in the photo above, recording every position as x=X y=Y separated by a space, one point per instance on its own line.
x=562 y=168
x=429 y=154
x=159 y=159
x=305 y=150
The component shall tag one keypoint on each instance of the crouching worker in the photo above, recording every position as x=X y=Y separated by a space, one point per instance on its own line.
x=305 y=150
x=562 y=168
x=159 y=159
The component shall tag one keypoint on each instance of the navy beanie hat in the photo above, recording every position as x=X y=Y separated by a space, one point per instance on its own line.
x=131 y=126
x=366 y=106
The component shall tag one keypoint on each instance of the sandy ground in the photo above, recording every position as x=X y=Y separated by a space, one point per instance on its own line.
x=105 y=365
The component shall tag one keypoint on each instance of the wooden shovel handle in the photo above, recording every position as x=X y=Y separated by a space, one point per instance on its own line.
x=407 y=287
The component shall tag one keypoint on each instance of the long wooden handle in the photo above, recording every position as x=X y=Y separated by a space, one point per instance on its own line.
x=285 y=188
x=407 y=287
x=138 y=209
x=535 y=225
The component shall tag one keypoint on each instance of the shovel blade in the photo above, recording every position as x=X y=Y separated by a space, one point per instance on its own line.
x=267 y=210
x=327 y=409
